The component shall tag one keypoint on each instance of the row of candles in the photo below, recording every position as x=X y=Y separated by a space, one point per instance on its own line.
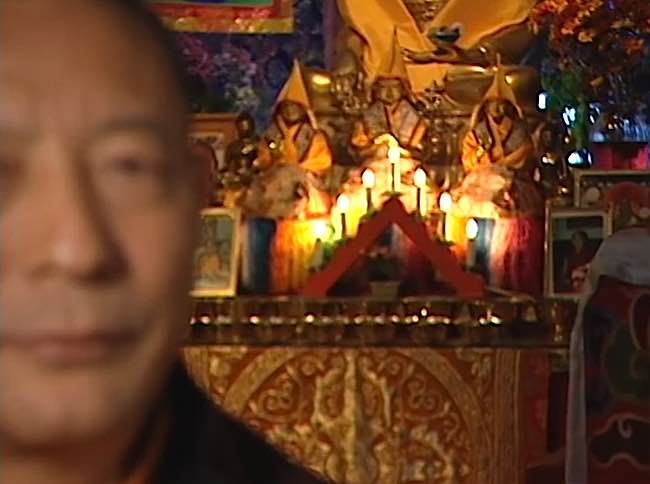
x=368 y=181
x=445 y=204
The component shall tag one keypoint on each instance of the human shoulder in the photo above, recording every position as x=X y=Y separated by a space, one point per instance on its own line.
x=209 y=446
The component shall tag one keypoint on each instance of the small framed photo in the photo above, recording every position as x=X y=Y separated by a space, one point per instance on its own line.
x=591 y=186
x=573 y=236
x=216 y=261
x=215 y=131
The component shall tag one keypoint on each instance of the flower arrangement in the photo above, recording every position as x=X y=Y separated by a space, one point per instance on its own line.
x=598 y=53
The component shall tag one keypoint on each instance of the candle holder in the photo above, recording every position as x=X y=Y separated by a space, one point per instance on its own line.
x=420 y=182
x=445 y=204
x=368 y=180
x=343 y=205
x=471 y=230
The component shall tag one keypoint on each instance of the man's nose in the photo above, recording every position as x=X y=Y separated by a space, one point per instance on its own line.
x=80 y=244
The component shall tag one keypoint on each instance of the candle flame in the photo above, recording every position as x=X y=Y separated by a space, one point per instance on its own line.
x=368 y=178
x=471 y=229
x=420 y=178
x=394 y=154
x=343 y=203
x=445 y=202
x=320 y=229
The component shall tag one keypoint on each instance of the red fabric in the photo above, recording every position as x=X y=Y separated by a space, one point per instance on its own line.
x=517 y=254
x=620 y=156
x=617 y=384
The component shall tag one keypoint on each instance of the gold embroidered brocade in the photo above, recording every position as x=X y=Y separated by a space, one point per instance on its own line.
x=376 y=415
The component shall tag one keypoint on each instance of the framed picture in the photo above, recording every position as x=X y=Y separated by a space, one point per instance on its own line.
x=591 y=186
x=227 y=16
x=216 y=261
x=215 y=131
x=573 y=237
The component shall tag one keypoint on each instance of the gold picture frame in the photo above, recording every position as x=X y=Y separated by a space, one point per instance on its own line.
x=216 y=260
x=572 y=238
x=215 y=130
x=591 y=186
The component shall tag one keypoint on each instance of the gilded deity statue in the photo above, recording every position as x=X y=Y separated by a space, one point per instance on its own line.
x=498 y=132
x=553 y=171
x=294 y=157
x=450 y=42
x=391 y=115
x=348 y=84
x=498 y=158
x=241 y=153
x=294 y=136
x=439 y=149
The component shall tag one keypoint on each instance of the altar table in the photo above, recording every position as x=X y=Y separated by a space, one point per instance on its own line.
x=388 y=415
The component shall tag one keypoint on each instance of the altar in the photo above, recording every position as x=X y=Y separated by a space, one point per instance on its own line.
x=388 y=415
x=388 y=397
x=389 y=271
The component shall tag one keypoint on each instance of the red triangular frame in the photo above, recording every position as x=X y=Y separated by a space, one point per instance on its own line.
x=466 y=284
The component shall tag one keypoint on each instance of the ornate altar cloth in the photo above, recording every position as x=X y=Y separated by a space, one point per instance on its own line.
x=387 y=415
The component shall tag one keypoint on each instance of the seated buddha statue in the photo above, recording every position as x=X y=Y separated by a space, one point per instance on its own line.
x=498 y=132
x=498 y=158
x=391 y=116
x=294 y=136
x=241 y=153
x=459 y=61
x=294 y=157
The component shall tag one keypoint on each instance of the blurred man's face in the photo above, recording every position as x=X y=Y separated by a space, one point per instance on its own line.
x=97 y=220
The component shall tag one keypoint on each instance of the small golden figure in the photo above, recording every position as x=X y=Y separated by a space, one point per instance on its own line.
x=391 y=116
x=294 y=136
x=498 y=132
x=241 y=153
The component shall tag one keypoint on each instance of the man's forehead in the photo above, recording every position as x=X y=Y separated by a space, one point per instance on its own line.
x=90 y=58
x=87 y=29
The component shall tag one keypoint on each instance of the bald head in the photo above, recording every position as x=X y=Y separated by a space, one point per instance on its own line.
x=98 y=217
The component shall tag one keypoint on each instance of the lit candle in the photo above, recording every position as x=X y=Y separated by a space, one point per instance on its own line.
x=368 y=180
x=343 y=205
x=318 y=252
x=471 y=230
x=420 y=181
x=393 y=158
x=445 y=203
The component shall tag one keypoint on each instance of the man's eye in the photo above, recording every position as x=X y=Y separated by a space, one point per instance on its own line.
x=133 y=166
x=8 y=165
x=9 y=177
x=130 y=180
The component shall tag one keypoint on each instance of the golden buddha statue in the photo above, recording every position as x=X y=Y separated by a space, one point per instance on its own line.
x=498 y=132
x=498 y=158
x=391 y=116
x=348 y=84
x=294 y=157
x=554 y=174
x=294 y=136
x=241 y=153
x=460 y=61
x=439 y=149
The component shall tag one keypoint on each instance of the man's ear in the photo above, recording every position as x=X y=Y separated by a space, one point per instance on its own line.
x=202 y=158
